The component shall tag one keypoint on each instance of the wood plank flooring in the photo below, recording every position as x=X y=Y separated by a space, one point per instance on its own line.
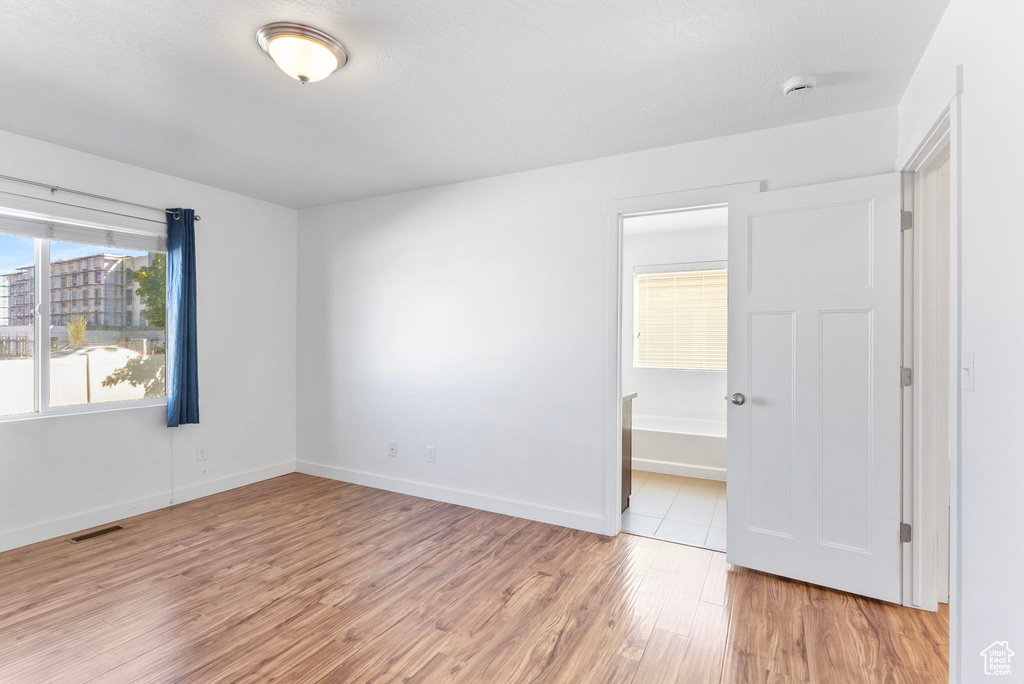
x=301 y=579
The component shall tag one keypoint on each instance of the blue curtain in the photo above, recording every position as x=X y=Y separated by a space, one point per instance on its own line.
x=182 y=363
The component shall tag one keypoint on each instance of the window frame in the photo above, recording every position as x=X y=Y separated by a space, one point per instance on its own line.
x=41 y=355
x=675 y=268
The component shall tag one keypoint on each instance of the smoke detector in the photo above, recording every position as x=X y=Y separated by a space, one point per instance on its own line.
x=799 y=84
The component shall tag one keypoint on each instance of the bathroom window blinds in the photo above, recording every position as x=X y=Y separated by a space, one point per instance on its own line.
x=680 y=319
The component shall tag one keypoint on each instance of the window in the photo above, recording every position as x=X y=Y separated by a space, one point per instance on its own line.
x=680 y=318
x=17 y=325
x=90 y=353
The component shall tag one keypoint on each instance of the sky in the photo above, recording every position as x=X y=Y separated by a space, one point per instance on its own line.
x=16 y=252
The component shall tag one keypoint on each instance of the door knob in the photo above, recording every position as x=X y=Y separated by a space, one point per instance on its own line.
x=738 y=399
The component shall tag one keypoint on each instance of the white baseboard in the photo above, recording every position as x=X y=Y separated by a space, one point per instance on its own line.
x=518 y=509
x=23 y=536
x=685 y=469
x=223 y=484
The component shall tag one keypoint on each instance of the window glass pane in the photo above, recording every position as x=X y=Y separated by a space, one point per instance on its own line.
x=681 y=320
x=17 y=325
x=107 y=336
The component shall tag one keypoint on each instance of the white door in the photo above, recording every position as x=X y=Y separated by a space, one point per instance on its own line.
x=814 y=347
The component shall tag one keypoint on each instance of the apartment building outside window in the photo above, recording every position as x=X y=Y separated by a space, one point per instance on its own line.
x=101 y=347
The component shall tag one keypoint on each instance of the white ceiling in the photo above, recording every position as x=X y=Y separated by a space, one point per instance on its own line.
x=435 y=91
x=692 y=219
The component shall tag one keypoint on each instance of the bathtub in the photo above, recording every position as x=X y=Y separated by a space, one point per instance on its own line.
x=679 y=446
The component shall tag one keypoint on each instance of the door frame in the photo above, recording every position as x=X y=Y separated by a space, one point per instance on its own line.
x=615 y=211
x=923 y=485
x=946 y=130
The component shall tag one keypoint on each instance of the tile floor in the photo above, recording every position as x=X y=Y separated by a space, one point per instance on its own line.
x=686 y=510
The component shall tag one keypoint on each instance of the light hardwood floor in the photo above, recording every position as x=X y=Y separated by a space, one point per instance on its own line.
x=300 y=579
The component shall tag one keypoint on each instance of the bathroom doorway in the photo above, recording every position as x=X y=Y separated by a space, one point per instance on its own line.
x=674 y=360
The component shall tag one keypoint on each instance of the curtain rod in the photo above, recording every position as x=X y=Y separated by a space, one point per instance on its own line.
x=55 y=188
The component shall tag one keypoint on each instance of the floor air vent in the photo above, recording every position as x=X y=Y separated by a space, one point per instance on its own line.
x=92 y=535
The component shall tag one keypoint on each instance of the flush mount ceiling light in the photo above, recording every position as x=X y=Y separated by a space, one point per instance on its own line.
x=303 y=53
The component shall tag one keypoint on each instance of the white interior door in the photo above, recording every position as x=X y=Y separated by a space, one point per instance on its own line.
x=814 y=346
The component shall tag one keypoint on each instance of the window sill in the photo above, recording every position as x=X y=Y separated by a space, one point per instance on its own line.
x=82 y=409
x=687 y=370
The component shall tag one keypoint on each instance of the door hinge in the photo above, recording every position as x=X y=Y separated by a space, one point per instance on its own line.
x=906 y=377
x=906 y=533
x=906 y=220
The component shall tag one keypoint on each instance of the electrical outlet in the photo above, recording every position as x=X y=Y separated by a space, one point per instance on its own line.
x=201 y=453
x=393 y=449
x=431 y=455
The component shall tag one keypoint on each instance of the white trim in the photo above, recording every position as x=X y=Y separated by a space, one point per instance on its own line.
x=931 y=143
x=685 y=200
x=947 y=127
x=651 y=465
x=918 y=141
x=687 y=433
x=612 y=466
x=59 y=527
x=923 y=472
x=42 y=324
x=223 y=484
x=81 y=409
x=41 y=357
x=919 y=561
x=688 y=266
x=956 y=377
x=907 y=551
x=615 y=210
x=459 y=497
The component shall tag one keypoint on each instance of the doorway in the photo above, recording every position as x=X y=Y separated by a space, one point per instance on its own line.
x=814 y=455
x=928 y=352
x=674 y=358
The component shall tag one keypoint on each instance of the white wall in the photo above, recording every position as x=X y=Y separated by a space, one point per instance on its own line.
x=61 y=474
x=474 y=317
x=695 y=395
x=985 y=37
